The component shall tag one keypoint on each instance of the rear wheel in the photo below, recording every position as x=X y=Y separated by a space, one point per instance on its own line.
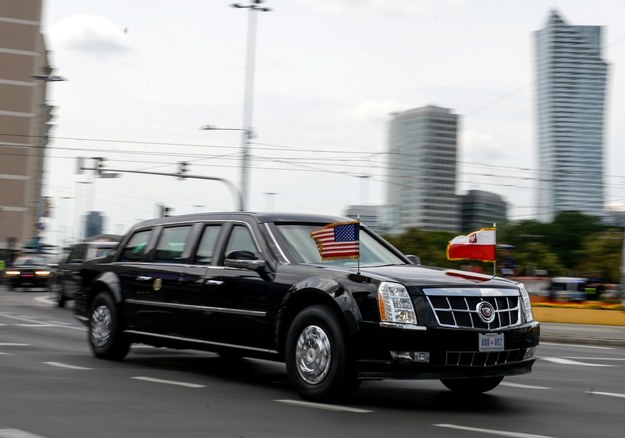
x=106 y=338
x=318 y=356
x=57 y=293
x=472 y=386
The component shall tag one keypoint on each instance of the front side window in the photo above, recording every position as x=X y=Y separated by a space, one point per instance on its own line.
x=171 y=243
x=241 y=244
x=134 y=249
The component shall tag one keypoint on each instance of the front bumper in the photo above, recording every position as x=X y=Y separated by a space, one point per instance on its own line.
x=450 y=353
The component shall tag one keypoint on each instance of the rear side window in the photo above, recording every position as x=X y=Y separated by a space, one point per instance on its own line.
x=171 y=244
x=206 y=248
x=136 y=246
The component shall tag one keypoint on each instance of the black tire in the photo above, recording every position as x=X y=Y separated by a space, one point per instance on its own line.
x=475 y=385
x=57 y=291
x=319 y=361
x=106 y=338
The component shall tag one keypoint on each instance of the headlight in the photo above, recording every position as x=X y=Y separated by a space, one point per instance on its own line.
x=527 y=304
x=12 y=273
x=395 y=304
x=42 y=273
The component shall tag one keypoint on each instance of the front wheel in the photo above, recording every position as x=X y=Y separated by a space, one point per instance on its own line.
x=106 y=337
x=475 y=385
x=318 y=356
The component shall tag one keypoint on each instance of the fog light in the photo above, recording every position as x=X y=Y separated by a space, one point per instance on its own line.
x=529 y=353
x=414 y=356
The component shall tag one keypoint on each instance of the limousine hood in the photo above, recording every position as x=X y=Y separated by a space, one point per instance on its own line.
x=423 y=276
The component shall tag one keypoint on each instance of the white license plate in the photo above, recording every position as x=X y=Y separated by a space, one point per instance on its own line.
x=491 y=342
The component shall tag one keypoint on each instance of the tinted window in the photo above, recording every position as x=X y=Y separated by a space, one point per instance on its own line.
x=136 y=246
x=78 y=253
x=241 y=240
x=171 y=244
x=206 y=248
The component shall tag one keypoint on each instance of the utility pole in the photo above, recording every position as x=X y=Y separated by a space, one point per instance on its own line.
x=248 y=104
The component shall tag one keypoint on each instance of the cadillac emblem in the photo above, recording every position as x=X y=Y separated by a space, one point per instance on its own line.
x=485 y=311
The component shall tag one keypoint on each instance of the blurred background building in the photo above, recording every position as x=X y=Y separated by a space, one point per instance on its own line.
x=24 y=117
x=481 y=209
x=422 y=170
x=571 y=93
x=369 y=215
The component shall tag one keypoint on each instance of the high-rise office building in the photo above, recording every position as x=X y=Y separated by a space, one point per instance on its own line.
x=571 y=89
x=422 y=168
x=481 y=209
x=24 y=117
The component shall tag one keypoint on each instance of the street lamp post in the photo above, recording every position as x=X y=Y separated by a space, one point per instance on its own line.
x=248 y=105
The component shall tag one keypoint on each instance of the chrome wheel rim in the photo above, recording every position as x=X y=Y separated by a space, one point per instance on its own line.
x=313 y=355
x=101 y=324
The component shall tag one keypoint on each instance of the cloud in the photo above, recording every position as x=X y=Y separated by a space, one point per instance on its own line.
x=90 y=34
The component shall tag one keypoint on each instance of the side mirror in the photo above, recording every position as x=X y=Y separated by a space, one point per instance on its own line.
x=247 y=260
x=415 y=260
x=244 y=260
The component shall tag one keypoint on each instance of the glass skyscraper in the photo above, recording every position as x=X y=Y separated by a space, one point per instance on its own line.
x=422 y=167
x=571 y=80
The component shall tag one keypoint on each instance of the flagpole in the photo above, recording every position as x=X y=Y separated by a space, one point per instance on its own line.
x=495 y=261
x=358 y=270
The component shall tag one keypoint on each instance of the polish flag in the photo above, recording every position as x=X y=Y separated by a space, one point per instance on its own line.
x=478 y=245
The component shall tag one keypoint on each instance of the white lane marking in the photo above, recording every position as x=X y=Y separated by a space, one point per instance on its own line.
x=16 y=433
x=519 y=385
x=2 y=352
x=169 y=382
x=609 y=394
x=45 y=300
x=13 y=344
x=595 y=358
x=64 y=365
x=492 y=431
x=29 y=322
x=324 y=406
x=563 y=361
x=556 y=344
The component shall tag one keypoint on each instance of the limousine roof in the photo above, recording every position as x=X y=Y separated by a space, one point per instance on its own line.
x=260 y=217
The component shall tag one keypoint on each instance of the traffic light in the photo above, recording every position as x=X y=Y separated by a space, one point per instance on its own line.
x=99 y=165
x=182 y=169
x=165 y=211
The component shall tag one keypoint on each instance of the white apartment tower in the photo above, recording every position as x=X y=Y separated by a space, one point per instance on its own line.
x=571 y=89
x=422 y=169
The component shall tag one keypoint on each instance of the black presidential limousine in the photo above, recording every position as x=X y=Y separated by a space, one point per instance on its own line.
x=254 y=285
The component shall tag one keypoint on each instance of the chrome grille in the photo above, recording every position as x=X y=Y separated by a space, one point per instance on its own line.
x=477 y=359
x=458 y=308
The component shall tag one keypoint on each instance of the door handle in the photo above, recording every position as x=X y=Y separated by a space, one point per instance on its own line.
x=144 y=278
x=214 y=282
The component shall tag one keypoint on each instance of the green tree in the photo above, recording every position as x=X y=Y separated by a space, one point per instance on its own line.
x=601 y=255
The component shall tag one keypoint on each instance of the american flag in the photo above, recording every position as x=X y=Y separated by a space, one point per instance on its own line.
x=338 y=241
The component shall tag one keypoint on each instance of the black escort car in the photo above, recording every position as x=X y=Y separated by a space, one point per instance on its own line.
x=254 y=285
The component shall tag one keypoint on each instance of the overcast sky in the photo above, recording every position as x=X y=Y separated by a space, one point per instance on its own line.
x=144 y=75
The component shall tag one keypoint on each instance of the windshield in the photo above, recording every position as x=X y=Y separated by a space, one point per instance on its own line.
x=30 y=260
x=302 y=245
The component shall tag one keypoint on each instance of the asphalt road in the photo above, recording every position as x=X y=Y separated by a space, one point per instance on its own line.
x=51 y=386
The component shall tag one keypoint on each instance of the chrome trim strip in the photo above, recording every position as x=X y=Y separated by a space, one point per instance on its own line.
x=275 y=242
x=472 y=292
x=402 y=326
x=194 y=307
x=199 y=341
